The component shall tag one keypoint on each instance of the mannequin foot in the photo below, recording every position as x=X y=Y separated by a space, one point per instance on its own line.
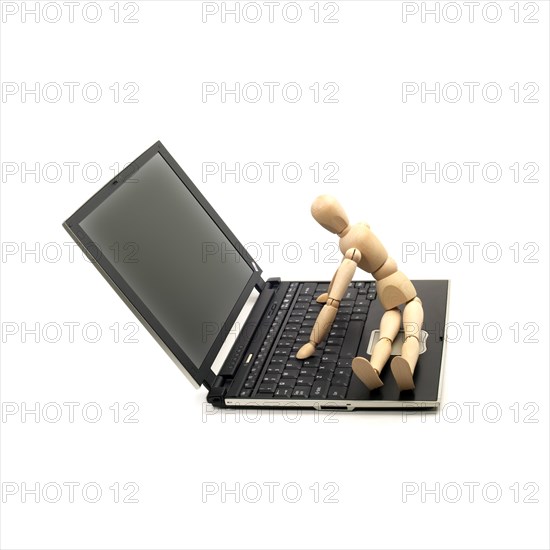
x=402 y=373
x=307 y=350
x=366 y=373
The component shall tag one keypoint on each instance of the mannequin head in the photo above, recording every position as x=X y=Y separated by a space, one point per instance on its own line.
x=329 y=213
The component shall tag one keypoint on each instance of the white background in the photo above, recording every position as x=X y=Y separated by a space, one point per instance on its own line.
x=379 y=464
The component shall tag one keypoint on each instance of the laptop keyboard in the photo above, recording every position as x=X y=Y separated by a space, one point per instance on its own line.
x=277 y=374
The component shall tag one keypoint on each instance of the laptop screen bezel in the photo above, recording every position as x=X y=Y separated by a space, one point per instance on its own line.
x=201 y=374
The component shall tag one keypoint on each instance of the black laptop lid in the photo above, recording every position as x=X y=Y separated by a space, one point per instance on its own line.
x=170 y=256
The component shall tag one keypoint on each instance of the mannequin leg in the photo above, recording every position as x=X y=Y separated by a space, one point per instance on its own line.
x=369 y=371
x=403 y=366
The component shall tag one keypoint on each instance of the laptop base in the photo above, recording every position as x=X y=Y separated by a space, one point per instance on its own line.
x=427 y=377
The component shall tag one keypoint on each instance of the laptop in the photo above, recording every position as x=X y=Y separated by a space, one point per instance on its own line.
x=177 y=265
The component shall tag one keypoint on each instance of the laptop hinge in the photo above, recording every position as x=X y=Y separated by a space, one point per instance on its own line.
x=216 y=394
x=209 y=380
x=260 y=285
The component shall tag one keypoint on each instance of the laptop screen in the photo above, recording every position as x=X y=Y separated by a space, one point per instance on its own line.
x=171 y=253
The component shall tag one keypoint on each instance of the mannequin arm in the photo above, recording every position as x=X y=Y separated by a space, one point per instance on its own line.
x=322 y=298
x=339 y=285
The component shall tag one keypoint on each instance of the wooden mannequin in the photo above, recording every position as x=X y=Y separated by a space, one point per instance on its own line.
x=361 y=248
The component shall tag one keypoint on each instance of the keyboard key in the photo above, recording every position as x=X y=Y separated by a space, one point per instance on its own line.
x=283 y=392
x=305 y=380
x=362 y=309
x=343 y=371
x=335 y=341
x=319 y=389
x=351 y=340
x=311 y=362
x=342 y=318
x=324 y=375
x=351 y=294
x=287 y=382
x=290 y=373
x=312 y=371
x=275 y=369
x=245 y=393
x=249 y=384
x=337 y=392
x=329 y=366
x=358 y=317
x=371 y=295
x=267 y=388
x=308 y=289
x=301 y=391
x=340 y=381
x=270 y=378
x=329 y=357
